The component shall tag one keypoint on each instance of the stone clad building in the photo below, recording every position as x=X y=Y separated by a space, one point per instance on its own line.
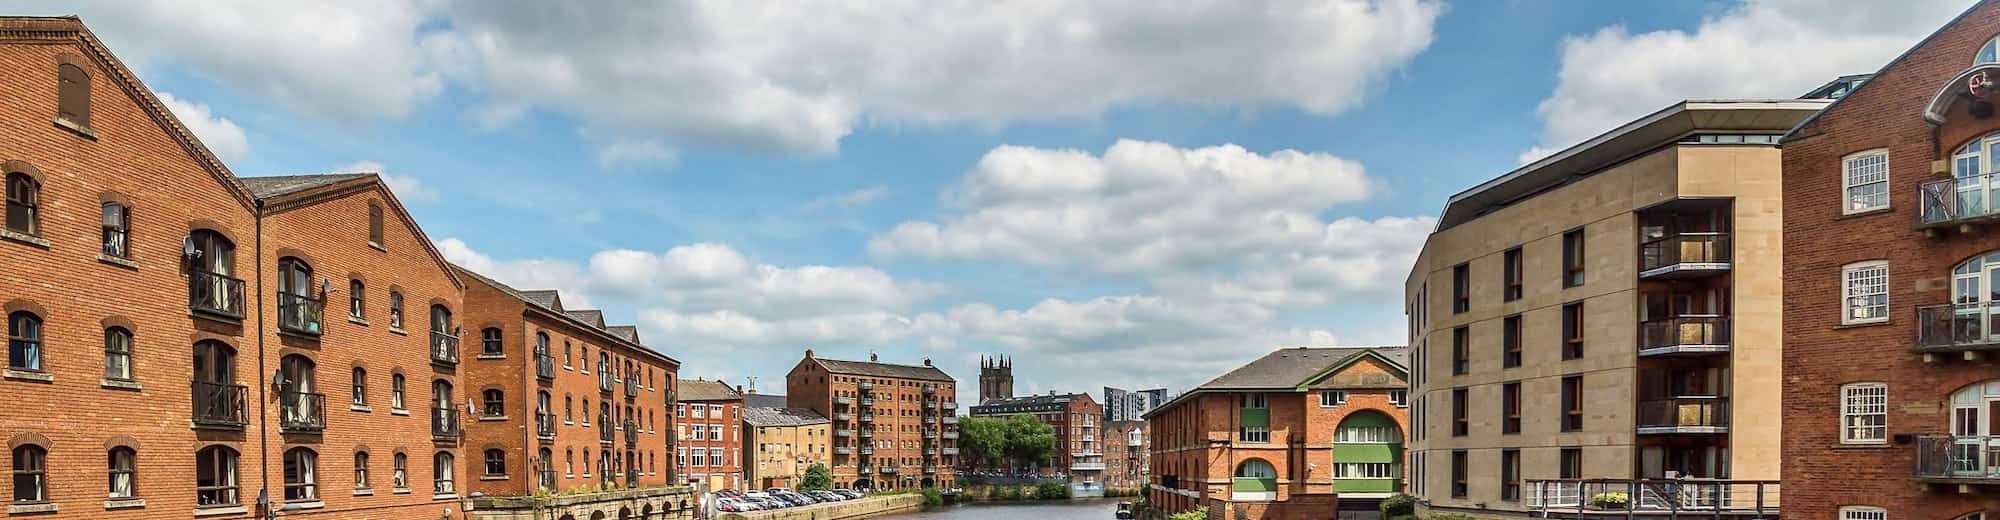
x=780 y=443
x=894 y=426
x=711 y=446
x=1891 y=273
x=1298 y=433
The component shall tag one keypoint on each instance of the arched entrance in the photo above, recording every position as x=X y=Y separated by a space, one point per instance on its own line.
x=1255 y=479
x=862 y=483
x=928 y=482
x=1367 y=454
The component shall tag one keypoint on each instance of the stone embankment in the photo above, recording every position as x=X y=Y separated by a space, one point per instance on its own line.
x=864 y=508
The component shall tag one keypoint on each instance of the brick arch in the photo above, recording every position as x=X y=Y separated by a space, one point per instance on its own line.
x=24 y=304
x=20 y=439
x=121 y=441
x=72 y=59
x=202 y=335
x=301 y=255
x=25 y=168
x=121 y=322
x=114 y=196
x=202 y=224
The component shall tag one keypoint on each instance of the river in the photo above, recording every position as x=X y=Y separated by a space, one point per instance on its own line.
x=1092 y=509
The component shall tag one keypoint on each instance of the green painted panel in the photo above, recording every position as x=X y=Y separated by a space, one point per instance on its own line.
x=1367 y=418
x=1378 y=485
x=1254 y=485
x=1254 y=417
x=1367 y=453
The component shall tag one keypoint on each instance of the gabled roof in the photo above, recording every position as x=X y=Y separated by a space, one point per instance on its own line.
x=778 y=416
x=277 y=185
x=1794 y=132
x=592 y=316
x=536 y=304
x=630 y=333
x=705 y=390
x=1291 y=369
x=1051 y=400
x=545 y=297
x=763 y=400
x=281 y=193
x=877 y=369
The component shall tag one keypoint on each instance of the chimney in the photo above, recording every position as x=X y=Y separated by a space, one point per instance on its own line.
x=739 y=389
x=927 y=361
x=809 y=353
x=872 y=358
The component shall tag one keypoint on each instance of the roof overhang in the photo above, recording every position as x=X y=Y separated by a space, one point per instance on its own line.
x=1771 y=116
x=1960 y=87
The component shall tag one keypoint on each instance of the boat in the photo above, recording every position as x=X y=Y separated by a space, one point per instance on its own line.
x=1125 y=511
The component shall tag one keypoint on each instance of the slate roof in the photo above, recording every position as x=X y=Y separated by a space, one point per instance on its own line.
x=875 y=369
x=548 y=301
x=592 y=316
x=276 y=185
x=630 y=333
x=1026 y=402
x=705 y=390
x=763 y=400
x=545 y=297
x=772 y=416
x=1289 y=367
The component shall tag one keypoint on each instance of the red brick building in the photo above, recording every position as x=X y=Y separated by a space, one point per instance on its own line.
x=561 y=401
x=168 y=318
x=711 y=445
x=1076 y=419
x=1126 y=451
x=1891 y=395
x=1296 y=434
x=894 y=426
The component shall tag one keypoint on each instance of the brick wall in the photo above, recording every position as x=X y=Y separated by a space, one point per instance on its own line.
x=728 y=475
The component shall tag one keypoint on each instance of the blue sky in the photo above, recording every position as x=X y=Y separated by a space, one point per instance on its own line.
x=1110 y=194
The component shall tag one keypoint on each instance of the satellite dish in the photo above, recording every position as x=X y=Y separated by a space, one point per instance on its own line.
x=187 y=247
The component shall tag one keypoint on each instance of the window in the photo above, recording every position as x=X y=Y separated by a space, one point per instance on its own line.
x=73 y=94
x=360 y=386
x=395 y=309
x=23 y=204
x=298 y=311
x=24 y=341
x=1572 y=331
x=1865 y=180
x=1459 y=405
x=396 y=391
x=542 y=336
x=1864 y=413
x=360 y=470
x=1371 y=470
x=120 y=472
x=1511 y=269
x=1367 y=435
x=374 y=224
x=1571 y=466
x=355 y=291
x=1573 y=258
x=1572 y=402
x=569 y=414
x=1510 y=475
x=117 y=229
x=215 y=476
x=399 y=472
x=1987 y=53
x=1866 y=286
x=1461 y=351
x=495 y=403
x=1510 y=407
x=301 y=481
x=546 y=469
x=489 y=342
x=441 y=467
x=1510 y=342
x=118 y=354
x=1458 y=474
x=1863 y=512
x=1332 y=398
x=496 y=463
x=1461 y=288
x=31 y=474
x=1400 y=398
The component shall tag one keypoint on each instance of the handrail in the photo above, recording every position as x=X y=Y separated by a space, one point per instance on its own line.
x=301 y=313
x=302 y=411
x=444 y=348
x=1684 y=412
x=1957 y=324
x=1684 y=248
x=217 y=404
x=1958 y=457
x=1692 y=329
x=215 y=293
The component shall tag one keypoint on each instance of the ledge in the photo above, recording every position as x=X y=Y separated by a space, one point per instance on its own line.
x=490 y=356
x=378 y=247
x=117 y=262
x=360 y=408
x=310 y=504
x=490 y=478
x=25 y=509
x=79 y=128
x=1868 y=213
x=364 y=492
x=220 y=511
x=125 y=503
x=492 y=418
x=1864 y=324
x=29 y=376
x=357 y=321
x=445 y=496
x=120 y=384
x=400 y=491
x=398 y=331
x=24 y=238
x=399 y=411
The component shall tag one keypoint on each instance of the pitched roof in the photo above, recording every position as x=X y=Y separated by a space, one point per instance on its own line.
x=1793 y=134
x=1288 y=369
x=877 y=369
x=544 y=297
x=705 y=390
x=764 y=400
x=630 y=333
x=1028 y=401
x=775 y=416
x=592 y=316
x=533 y=299
x=276 y=185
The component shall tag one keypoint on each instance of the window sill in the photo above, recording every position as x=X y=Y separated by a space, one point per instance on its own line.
x=27 y=375
x=398 y=330
x=492 y=477
x=360 y=408
x=400 y=491
x=445 y=496
x=125 y=503
x=1864 y=324
x=220 y=511
x=364 y=492
x=118 y=262
x=378 y=247
x=313 y=504
x=398 y=411
x=120 y=384
x=79 y=128
x=492 y=418
x=1862 y=446
x=24 y=238
x=26 y=509
x=1865 y=213
x=358 y=321
x=490 y=356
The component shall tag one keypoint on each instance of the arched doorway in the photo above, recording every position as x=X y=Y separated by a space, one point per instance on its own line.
x=928 y=482
x=863 y=484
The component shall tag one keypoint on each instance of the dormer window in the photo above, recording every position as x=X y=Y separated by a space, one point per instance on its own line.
x=73 y=94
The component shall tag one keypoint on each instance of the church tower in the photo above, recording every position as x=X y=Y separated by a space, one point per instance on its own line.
x=996 y=378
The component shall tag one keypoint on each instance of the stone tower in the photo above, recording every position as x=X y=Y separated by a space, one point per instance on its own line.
x=996 y=378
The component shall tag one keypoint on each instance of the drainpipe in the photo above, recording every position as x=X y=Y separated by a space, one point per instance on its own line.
x=263 y=425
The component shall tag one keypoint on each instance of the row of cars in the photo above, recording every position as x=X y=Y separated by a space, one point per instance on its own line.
x=733 y=501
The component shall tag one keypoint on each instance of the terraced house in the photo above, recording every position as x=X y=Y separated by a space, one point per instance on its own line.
x=1297 y=433
x=711 y=448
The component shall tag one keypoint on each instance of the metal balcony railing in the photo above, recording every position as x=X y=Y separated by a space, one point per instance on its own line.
x=219 y=405
x=865 y=450
x=951 y=451
x=444 y=349
x=1709 y=250
x=301 y=412
x=1604 y=498
x=867 y=433
x=865 y=386
x=842 y=432
x=1684 y=331
x=605 y=434
x=1962 y=326
x=545 y=366
x=445 y=424
x=301 y=314
x=1959 y=457
x=604 y=383
x=631 y=387
x=215 y=293
x=950 y=405
x=843 y=401
x=888 y=470
x=545 y=426
x=1684 y=414
x=951 y=435
x=930 y=389
x=1944 y=201
x=631 y=434
x=953 y=419
x=843 y=416
x=842 y=450
x=867 y=417
x=867 y=401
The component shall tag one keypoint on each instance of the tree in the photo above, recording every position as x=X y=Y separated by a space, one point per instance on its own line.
x=1029 y=442
x=817 y=478
x=982 y=440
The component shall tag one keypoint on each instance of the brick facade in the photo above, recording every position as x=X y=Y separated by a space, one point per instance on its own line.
x=901 y=420
x=1077 y=421
x=713 y=414
x=1125 y=454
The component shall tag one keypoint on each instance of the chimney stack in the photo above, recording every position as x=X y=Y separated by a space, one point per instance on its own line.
x=872 y=358
x=927 y=361
x=809 y=353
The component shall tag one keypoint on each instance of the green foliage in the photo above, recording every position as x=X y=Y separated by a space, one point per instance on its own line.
x=1007 y=493
x=1448 y=516
x=932 y=497
x=997 y=442
x=1609 y=499
x=1052 y=490
x=1199 y=513
x=817 y=478
x=1399 y=505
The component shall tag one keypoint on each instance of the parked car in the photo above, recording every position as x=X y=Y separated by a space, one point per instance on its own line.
x=851 y=494
x=829 y=496
x=796 y=499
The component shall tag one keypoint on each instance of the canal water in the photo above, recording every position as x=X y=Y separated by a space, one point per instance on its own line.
x=1092 y=509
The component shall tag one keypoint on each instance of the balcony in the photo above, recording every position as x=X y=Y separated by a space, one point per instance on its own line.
x=444 y=424
x=219 y=406
x=867 y=401
x=842 y=432
x=1086 y=466
x=867 y=417
x=1686 y=255
x=843 y=450
x=1688 y=414
x=930 y=419
x=952 y=435
x=301 y=314
x=301 y=412
x=604 y=382
x=864 y=469
x=1690 y=334
x=930 y=389
x=606 y=435
x=843 y=401
x=444 y=349
x=949 y=405
x=953 y=419
x=631 y=388
x=866 y=450
x=951 y=451
x=1963 y=327
x=545 y=426
x=631 y=434
x=930 y=433
x=215 y=294
x=889 y=470
x=865 y=386
x=1958 y=202
x=932 y=451
x=867 y=433
x=843 y=416
x=930 y=469
x=1958 y=459
x=1653 y=498
x=545 y=366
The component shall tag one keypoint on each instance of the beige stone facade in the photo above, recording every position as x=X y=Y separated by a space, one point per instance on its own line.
x=780 y=443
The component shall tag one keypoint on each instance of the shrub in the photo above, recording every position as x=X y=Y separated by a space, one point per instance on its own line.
x=1052 y=490
x=1199 y=513
x=1399 y=505
x=1007 y=493
x=1609 y=500
x=1448 y=516
x=932 y=497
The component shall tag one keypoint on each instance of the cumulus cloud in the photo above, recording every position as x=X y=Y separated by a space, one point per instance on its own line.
x=221 y=135
x=406 y=188
x=848 y=200
x=528 y=274
x=1759 y=49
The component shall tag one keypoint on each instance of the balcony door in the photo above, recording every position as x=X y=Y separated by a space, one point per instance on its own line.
x=1975 y=287
x=1975 y=450
x=1973 y=166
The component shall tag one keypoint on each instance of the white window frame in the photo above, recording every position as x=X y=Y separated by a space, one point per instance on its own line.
x=1256 y=434
x=1848 y=167
x=1332 y=398
x=1364 y=470
x=1400 y=398
x=1848 y=288
x=1365 y=435
x=1861 y=400
x=1863 y=513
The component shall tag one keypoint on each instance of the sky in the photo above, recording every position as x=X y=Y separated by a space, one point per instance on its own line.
x=1124 y=193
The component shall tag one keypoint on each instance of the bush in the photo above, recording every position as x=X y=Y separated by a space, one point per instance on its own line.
x=932 y=497
x=1399 y=505
x=1449 y=516
x=1052 y=490
x=1007 y=493
x=1199 y=513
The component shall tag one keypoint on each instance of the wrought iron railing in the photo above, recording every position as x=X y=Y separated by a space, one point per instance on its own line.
x=1958 y=457
x=1947 y=200
x=444 y=349
x=604 y=381
x=545 y=366
x=445 y=423
x=1684 y=330
x=1958 y=325
x=605 y=434
x=215 y=293
x=301 y=412
x=1684 y=412
x=631 y=434
x=545 y=425
x=1601 y=498
x=301 y=314
x=1684 y=248
x=219 y=405
x=631 y=387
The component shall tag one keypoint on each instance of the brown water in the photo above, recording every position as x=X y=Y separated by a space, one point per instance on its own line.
x=1091 y=509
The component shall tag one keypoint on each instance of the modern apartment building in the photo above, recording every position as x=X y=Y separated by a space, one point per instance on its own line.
x=894 y=426
x=1128 y=405
x=779 y=444
x=1891 y=279
x=1077 y=421
x=1298 y=433
x=559 y=401
x=1608 y=312
x=1125 y=454
x=713 y=440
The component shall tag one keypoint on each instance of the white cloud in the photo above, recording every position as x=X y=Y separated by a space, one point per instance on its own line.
x=635 y=153
x=848 y=200
x=1759 y=49
x=406 y=188
x=221 y=135
x=530 y=274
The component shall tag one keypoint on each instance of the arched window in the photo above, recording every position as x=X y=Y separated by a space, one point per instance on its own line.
x=118 y=354
x=496 y=463
x=1254 y=478
x=360 y=386
x=121 y=470
x=545 y=462
x=374 y=224
x=395 y=309
x=1987 y=53
x=301 y=406
x=73 y=94
x=440 y=320
x=215 y=476
x=301 y=475
x=569 y=417
x=24 y=341
x=541 y=345
x=298 y=310
x=542 y=403
x=218 y=400
x=396 y=391
x=356 y=307
x=489 y=341
x=441 y=467
x=31 y=474
x=117 y=229
x=361 y=470
x=211 y=259
x=569 y=462
x=400 y=473
x=566 y=351
x=493 y=403
x=441 y=394
x=23 y=204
